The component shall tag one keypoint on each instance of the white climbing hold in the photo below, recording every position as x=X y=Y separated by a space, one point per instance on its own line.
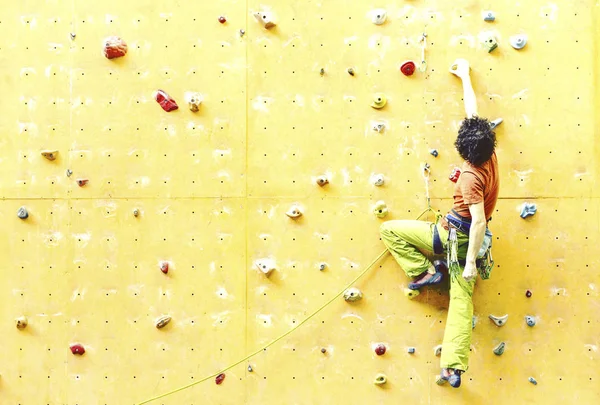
x=353 y=294
x=499 y=320
x=265 y=18
x=380 y=209
x=378 y=180
x=294 y=212
x=437 y=350
x=379 y=127
x=322 y=180
x=495 y=123
x=265 y=265
x=488 y=15
x=518 y=41
x=378 y=16
x=194 y=100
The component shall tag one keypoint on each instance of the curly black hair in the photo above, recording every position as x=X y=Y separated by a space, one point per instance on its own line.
x=476 y=141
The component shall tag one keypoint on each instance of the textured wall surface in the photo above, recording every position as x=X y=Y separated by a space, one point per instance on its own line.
x=213 y=187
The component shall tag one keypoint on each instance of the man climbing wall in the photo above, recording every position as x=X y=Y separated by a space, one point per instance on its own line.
x=475 y=197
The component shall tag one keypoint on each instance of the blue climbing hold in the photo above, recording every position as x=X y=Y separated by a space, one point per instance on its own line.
x=528 y=209
x=533 y=380
x=411 y=350
x=530 y=320
x=434 y=152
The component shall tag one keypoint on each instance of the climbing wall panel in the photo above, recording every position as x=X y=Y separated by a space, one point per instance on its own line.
x=176 y=49
x=208 y=192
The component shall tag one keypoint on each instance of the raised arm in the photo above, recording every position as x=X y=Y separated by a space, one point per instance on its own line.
x=461 y=69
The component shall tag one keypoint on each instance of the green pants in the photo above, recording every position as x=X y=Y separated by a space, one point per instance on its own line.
x=404 y=239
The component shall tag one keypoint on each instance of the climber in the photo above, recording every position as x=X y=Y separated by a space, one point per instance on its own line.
x=475 y=196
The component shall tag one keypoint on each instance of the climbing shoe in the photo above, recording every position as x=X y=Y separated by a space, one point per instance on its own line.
x=435 y=279
x=454 y=379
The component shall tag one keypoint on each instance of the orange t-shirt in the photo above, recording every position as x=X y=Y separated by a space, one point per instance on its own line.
x=477 y=184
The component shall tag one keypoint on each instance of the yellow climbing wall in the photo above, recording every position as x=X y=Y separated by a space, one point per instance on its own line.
x=212 y=189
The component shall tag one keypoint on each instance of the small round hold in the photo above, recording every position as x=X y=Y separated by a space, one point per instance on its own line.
x=380 y=349
x=69 y=172
x=379 y=101
x=77 y=348
x=410 y=294
x=378 y=180
x=322 y=181
x=22 y=213
x=323 y=350
x=434 y=152
x=351 y=71
x=437 y=350
x=250 y=368
x=294 y=212
x=322 y=266
x=530 y=320
x=73 y=35
x=21 y=322
x=164 y=267
x=379 y=16
x=532 y=380
x=488 y=15
x=518 y=41
x=353 y=294
x=136 y=212
x=408 y=68
x=528 y=294
x=380 y=379
x=322 y=72
x=222 y=19
x=242 y=33
x=411 y=350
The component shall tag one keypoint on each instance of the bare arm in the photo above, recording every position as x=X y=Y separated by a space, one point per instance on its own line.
x=476 y=234
x=469 y=97
x=462 y=69
x=477 y=231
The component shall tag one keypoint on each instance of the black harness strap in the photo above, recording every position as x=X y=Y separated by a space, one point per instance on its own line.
x=438 y=247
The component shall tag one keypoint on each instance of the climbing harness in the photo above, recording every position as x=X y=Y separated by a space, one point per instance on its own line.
x=485 y=261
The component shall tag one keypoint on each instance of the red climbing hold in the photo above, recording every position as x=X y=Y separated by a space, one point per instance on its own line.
x=166 y=102
x=77 y=348
x=164 y=267
x=454 y=175
x=114 y=47
x=219 y=379
x=408 y=68
x=380 y=349
x=222 y=20
x=82 y=182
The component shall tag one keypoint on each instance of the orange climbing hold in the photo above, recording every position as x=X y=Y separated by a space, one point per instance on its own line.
x=114 y=47
x=82 y=182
